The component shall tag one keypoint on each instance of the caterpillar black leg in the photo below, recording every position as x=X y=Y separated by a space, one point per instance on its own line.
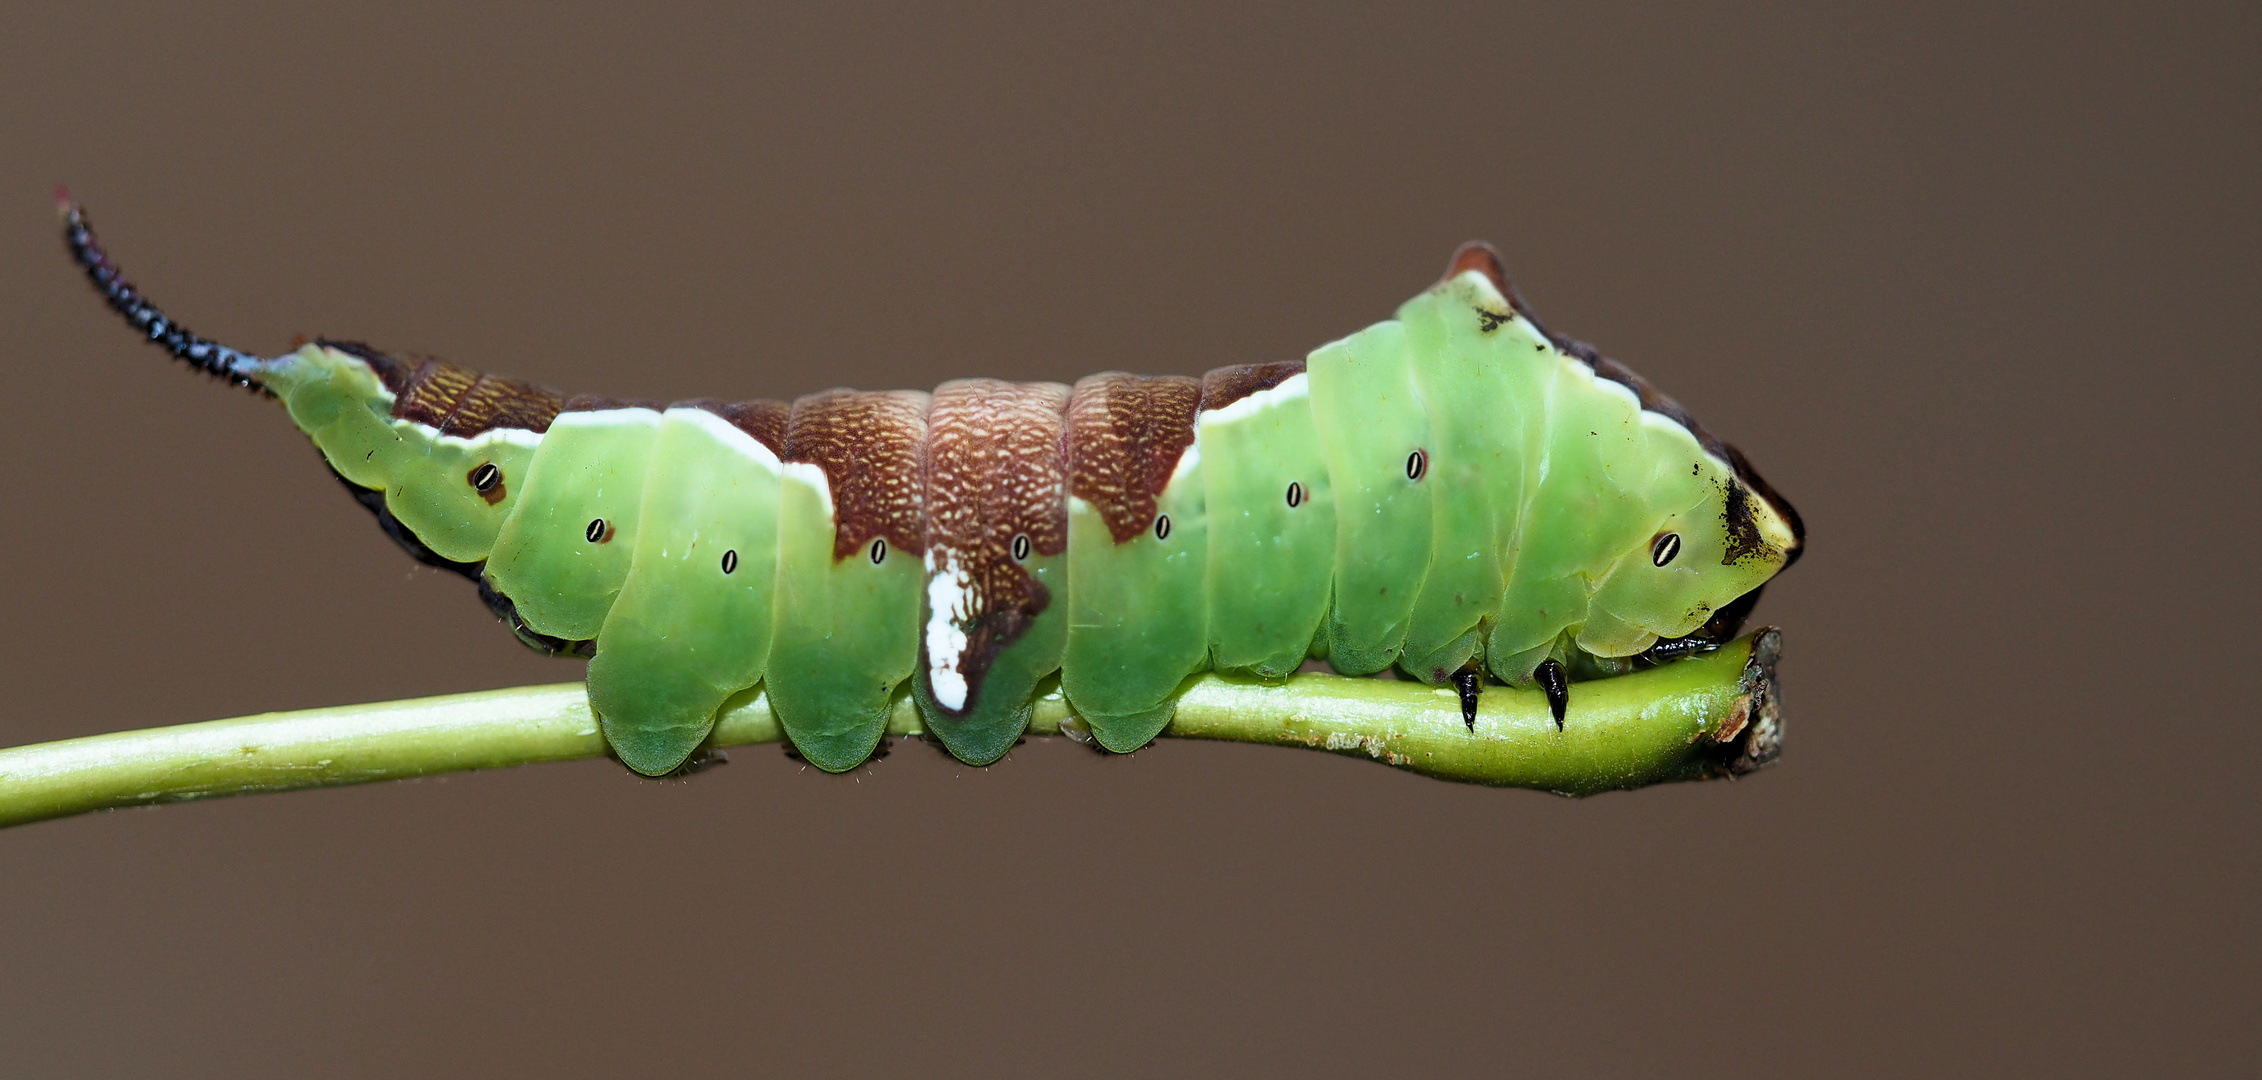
x=1716 y=631
x=1550 y=676
x=1671 y=649
x=1470 y=682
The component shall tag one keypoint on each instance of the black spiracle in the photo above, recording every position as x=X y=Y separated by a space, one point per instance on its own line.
x=879 y=551
x=1021 y=547
x=485 y=477
x=1162 y=526
x=730 y=561
x=1295 y=494
x=1662 y=549
x=597 y=532
x=1417 y=465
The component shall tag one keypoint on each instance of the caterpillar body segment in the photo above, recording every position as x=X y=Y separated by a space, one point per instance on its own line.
x=992 y=618
x=849 y=570
x=564 y=552
x=1451 y=491
x=694 y=618
x=1480 y=391
x=1271 y=517
x=1375 y=439
x=1138 y=594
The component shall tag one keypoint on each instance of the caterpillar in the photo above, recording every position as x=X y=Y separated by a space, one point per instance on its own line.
x=1454 y=492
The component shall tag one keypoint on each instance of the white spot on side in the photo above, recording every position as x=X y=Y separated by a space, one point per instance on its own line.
x=951 y=600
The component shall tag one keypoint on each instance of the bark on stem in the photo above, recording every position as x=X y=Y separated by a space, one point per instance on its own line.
x=1706 y=716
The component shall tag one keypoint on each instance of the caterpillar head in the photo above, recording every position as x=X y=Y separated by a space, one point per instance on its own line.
x=1697 y=563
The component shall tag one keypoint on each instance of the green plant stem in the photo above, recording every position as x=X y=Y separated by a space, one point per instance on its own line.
x=1705 y=716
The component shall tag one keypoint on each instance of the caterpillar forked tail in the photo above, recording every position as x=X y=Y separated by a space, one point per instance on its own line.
x=207 y=356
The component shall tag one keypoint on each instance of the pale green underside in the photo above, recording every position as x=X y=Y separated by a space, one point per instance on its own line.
x=1527 y=535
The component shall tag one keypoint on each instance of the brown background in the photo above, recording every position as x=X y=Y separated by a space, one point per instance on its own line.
x=1974 y=288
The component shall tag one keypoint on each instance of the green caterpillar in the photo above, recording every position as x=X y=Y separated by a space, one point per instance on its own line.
x=1454 y=492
